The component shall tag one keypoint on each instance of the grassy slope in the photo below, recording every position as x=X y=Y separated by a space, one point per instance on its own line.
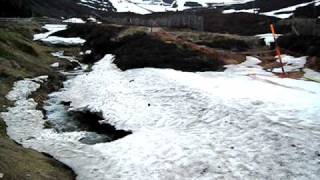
x=20 y=58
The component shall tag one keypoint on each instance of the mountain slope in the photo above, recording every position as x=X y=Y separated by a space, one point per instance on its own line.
x=56 y=8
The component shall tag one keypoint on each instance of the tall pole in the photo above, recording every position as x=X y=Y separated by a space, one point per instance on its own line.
x=278 y=52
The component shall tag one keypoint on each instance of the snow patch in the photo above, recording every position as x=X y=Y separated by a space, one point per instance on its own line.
x=311 y=75
x=55 y=65
x=51 y=28
x=230 y=11
x=88 y=52
x=268 y=38
x=291 y=64
x=249 y=67
x=74 y=20
x=55 y=40
x=22 y=89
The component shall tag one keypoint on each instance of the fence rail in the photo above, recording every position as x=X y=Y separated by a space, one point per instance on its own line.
x=172 y=21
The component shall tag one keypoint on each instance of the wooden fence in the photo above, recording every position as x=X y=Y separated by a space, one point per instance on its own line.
x=173 y=21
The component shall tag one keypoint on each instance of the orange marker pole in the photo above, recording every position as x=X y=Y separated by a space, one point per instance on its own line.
x=278 y=52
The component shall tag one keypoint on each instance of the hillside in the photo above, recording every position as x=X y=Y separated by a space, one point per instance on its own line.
x=57 y=8
x=69 y=8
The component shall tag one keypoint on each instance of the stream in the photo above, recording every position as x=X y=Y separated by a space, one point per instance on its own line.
x=61 y=119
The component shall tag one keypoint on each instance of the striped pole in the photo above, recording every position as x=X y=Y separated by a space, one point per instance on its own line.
x=278 y=52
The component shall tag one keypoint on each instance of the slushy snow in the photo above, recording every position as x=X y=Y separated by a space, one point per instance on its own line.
x=211 y=125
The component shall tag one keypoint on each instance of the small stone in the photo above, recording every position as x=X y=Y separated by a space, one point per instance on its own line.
x=47 y=125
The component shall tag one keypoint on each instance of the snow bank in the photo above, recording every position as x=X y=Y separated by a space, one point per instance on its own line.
x=63 y=41
x=268 y=38
x=22 y=89
x=311 y=75
x=51 y=28
x=291 y=64
x=55 y=65
x=75 y=21
x=249 y=67
x=213 y=125
x=230 y=11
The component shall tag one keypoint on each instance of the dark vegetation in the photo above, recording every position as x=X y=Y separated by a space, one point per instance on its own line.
x=310 y=11
x=100 y=38
x=237 y=23
x=230 y=44
x=222 y=41
x=303 y=45
x=192 y=4
x=141 y=50
x=138 y=50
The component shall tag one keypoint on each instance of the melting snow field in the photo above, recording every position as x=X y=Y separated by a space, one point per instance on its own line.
x=211 y=125
x=150 y=6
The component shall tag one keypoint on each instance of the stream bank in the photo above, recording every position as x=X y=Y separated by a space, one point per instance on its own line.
x=21 y=58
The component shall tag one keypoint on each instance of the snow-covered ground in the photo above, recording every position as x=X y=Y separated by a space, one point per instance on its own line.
x=249 y=67
x=149 y=6
x=208 y=125
x=279 y=13
x=55 y=40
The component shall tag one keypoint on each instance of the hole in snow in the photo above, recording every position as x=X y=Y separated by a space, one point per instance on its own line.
x=62 y=120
